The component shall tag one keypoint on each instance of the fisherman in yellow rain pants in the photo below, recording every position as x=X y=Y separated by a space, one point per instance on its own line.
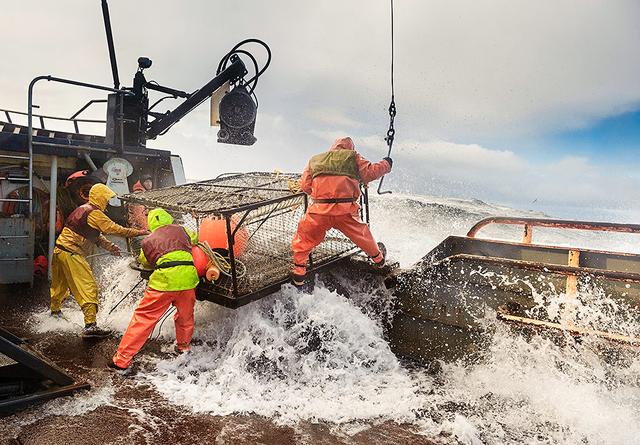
x=83 y=229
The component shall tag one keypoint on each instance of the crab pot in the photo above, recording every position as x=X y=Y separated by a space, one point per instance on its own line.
x=250 y=219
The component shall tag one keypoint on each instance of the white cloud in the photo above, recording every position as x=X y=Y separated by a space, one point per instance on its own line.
x=332 y=117
x=466 y=71
x=445 y=168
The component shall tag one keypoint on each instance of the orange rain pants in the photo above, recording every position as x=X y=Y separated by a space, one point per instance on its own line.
x=152 y=306
x=313 y=227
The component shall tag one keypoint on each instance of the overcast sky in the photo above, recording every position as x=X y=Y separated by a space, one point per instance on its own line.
x=528 y=103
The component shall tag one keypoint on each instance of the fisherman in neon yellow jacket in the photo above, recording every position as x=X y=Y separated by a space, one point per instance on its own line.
x=174 y=279
x=84 y=229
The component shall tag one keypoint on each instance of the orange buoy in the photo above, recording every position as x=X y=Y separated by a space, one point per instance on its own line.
x=200 y=260
x=213 y=273
x=214 y=232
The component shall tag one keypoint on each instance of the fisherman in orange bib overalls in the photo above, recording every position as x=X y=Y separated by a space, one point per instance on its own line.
x=174 y=279
x=332 y=179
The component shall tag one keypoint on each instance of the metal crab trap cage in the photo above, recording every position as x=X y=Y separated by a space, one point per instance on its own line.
x=253 y=217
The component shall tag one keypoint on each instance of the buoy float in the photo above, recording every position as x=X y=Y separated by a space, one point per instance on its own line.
x=214 y=232
x=200 y=260
x=213 y=273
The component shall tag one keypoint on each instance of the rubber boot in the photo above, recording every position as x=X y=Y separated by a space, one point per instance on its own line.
x=125 y=372
x=297 y=280
x=92 y=330
x=383 y=252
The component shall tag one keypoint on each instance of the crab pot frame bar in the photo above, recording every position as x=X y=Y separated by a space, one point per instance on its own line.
x=260 y=216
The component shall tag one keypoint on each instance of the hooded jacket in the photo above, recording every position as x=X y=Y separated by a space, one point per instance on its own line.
x=338 y=174
x=174 y=278
x=73 y=242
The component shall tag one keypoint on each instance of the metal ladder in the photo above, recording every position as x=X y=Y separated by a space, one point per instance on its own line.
x=17 y=234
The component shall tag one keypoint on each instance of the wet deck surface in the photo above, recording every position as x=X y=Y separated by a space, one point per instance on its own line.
x=134 y=412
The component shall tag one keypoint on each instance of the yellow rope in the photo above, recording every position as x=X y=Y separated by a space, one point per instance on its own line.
x=221 y=262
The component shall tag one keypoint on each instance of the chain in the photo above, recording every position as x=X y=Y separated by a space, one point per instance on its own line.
x=391 y=132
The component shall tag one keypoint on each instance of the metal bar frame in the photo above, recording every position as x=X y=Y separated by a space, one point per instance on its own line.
x=55 y=118
x=529 y=223
x=53 y=195
x=52 y=192
x=84 y=107
x=232 y=257
x=559 y=269
x=236 y=302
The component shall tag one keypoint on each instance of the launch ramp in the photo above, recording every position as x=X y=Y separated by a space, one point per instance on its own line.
x=26 y=378
x=444 y=297
x=260 y=215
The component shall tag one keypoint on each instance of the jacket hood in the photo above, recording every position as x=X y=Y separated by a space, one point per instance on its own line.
x=138 y=187
x=343 y=144
x=158 y=218
x=99 y=196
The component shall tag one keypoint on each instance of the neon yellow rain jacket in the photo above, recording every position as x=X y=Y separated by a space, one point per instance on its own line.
x=172 y=278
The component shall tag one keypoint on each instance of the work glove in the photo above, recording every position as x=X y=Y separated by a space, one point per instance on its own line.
x=389 y=160
x=294 y=186
x=142 y=232
x=114 y=250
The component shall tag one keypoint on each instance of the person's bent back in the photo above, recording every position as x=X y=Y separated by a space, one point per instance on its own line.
x=168 y=251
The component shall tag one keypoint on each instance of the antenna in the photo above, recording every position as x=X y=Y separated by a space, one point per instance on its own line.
x=112 y=51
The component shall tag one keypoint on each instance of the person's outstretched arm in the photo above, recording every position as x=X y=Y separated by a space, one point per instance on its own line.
x=370 y=171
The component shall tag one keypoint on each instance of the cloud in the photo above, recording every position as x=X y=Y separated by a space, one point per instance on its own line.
x=470 y=170
x=494 y=74
x=332 y=117
x=465 y=70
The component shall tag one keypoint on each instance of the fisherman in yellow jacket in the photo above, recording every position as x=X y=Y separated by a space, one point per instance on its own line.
x=83 y=229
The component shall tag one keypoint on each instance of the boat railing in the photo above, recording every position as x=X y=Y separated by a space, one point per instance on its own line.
x=530 y=223
x=74 y=118
x=572 y=270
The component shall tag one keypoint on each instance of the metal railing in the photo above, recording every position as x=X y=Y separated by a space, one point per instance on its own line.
x=74 y=118
x=572 y=270
x=530 y=223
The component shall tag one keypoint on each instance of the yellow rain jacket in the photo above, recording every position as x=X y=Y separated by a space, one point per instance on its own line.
x=70 y=270
x=99 y=196
x=175 y=278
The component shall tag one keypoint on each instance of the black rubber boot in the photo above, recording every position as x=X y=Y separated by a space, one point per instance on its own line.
x=125 y=372
x=383 y=252
x=91 y=330
x=297 y=280
x=116 y=367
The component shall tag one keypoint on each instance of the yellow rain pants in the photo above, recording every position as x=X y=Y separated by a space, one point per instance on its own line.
x=71 y=272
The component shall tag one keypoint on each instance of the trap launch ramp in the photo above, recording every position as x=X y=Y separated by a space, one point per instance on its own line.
x=443 y=298
x=256 y=214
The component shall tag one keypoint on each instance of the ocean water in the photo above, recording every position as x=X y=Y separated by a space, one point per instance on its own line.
x=322 y=357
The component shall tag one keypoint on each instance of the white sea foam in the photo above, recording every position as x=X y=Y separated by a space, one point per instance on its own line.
x=290 y=357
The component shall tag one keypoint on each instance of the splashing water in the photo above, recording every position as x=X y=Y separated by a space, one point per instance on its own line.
x=295 y=356
x=322 y=357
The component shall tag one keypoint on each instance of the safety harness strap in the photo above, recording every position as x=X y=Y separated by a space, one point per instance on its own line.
x=334 y=200
x=61 y=247
x=169 y=264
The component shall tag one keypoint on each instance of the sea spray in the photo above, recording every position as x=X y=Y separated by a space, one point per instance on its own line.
x=292 y=357
x=321 y=357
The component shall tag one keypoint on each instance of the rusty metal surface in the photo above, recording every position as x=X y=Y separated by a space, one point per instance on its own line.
x=572 y=329
x=550 y=268
x=555 y=223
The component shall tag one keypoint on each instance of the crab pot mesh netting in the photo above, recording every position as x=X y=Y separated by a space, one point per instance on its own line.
x=263 y=214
